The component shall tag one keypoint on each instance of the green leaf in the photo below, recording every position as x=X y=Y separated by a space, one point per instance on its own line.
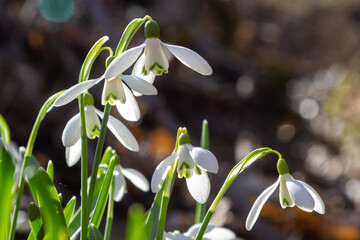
x=90 y=58
x=152 y=215
x=135 y=223
x=103 y=195
x=50 y=170
x=4 y=130
x=7 y=187
x=36 y=223
x=205 y=139
x=52 y=214
x=94 y=233
x=69 y=210
x=129 y=33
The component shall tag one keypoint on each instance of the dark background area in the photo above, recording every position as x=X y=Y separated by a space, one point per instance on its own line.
x=285 y=76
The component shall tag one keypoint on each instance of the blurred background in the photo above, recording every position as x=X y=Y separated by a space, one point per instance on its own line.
x=285 y=76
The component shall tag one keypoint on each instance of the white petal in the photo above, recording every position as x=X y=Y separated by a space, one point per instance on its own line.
x=137 y=71
x=92 y=122
x=120 y=186
x=123 y=61
x=71 y=133
x=121 y=132
x=204 y=159
x=285 y=198
x=73 y=153
x=130 y=109
x=73 y=92
x=299 y=194
x=199 y=186
x=139 y=85
x=190 y=59
x=176 y=236
x=258 y=204
x=155 y=59
x=220 y=233
x=319 y=204
x=193 y=230
x=160 y=173
x=113 y=90
x=136 y=178
x=185 y=162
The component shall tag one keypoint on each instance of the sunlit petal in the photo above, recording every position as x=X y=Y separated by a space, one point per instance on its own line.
x=137 y=71
x=185 y=164
x=71 y=133
x=284 y=196
x=301 y=197
x=190 y=59
x=113 y=90
x=204 y=159
x=121 y=132
x=73 y=92
x=258 y=204
x=123 y=61
x=155 y=59
x=92 y=122
x=137 y=178
x=160 y=173
x=130 y=109
x=176 y=236
x=319 y=204
x=139 y=85
x=120 y=186
x=73 y=153
x=199 y=186
x=220 y=233
x=193 y=230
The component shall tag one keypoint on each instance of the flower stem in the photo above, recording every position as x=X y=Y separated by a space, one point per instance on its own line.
x=84 y=222
x=98 y=152
x=110 y=212
x=29 y=148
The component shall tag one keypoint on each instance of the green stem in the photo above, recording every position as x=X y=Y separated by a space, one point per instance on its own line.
x=204 y=143
x=29 y=148
x=98 y=152
x=84 y=172
x=110 y=212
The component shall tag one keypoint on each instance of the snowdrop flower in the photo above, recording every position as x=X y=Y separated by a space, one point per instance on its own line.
x=153 y=59
x=72 y=132
x=292 y=192
x=115 y=92
x=211 y=233
x=133 y=175
x=193 y=163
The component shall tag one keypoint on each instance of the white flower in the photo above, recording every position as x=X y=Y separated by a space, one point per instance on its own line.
x=71 y=134
x=292 y=192
x=153 y=59
x=211 y=233
x=193 y=163
x=115 y=92
x=133 y=175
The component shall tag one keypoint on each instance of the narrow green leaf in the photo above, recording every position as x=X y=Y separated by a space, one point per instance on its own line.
x=4 y=129
x=90 y=58
x=129 y=33
x=152 y=215
x=36 y=223
x=7 y=187
x=205 y=139
x=135 y=223
x=50 y=170
x=52 y=214
x=94 y=233
x=69 y=210
x=103 y=195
